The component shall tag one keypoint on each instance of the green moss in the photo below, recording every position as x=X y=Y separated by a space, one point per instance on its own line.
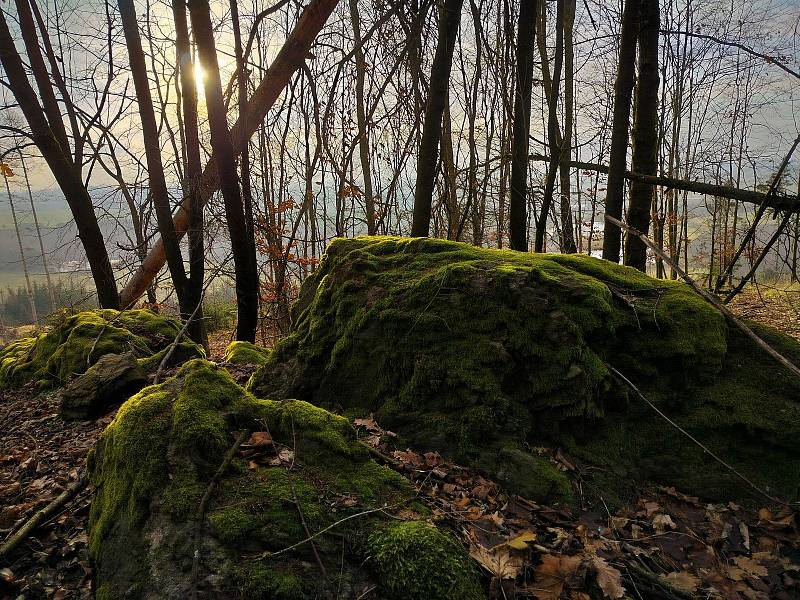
x=534 y=476
x=469 y=351
x=154 y=463
x=416 y=561
x=245 y=353
x=76 y=341
x=264 y=582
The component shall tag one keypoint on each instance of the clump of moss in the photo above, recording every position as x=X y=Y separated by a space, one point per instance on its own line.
x=245 y=353
x=415 y=560
x=154 y=463
x=76 y=341
x=474 y=351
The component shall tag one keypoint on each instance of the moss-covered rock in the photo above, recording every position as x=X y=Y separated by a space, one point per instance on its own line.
x=153 y=465
x=245 y=353
x=481 y=353
x=77 y=341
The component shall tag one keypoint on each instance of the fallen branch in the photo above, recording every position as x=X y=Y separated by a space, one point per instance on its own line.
x=709 y=297
x=42 y=516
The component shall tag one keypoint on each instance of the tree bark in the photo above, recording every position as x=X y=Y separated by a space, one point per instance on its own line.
x=623 y=89
x=567 y=231
x=518 y=209
x=644 y=158
x=428 y=156
x=244 y=259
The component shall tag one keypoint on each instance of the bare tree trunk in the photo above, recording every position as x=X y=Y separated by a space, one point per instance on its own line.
x=28 y=287
x=623 y=89
x=66 y=174
x=288 y=60
x=361 y=116
x=243 y=256
x=50 y=293
x=152 y=147
x=567 y=230
x=428 y=156
x=193 y=173
x=645 y=133
x=518 y=209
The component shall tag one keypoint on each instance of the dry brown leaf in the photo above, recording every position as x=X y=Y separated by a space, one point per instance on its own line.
x=683 y=581
x=751 y=567
x=663 y=522
x=499 y=561
x=258 y=439
x=608 y=578
x=552 y=575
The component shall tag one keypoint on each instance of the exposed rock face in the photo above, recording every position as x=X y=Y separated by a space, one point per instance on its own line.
x=78 y=341
x=153 y=466
x=108 y=383
x=481 y=353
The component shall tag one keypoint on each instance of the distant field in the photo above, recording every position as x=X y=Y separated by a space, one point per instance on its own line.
x=15 y=279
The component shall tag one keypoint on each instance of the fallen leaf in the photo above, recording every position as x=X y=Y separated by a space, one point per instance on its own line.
x=552 y=575
x=663 y=522
x=258 y=439
x=608 y=578
x=750 y=566
x=683 y=581
x=499 y=561
x=521 y=541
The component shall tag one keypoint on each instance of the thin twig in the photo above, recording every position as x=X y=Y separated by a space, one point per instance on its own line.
x=705 y=449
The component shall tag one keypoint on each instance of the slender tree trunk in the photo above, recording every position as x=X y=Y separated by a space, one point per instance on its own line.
x=193 y=172
x=66 y=174
x=50 y=293
x=623 y=89
x=361 y=116
x=567 y=229
x=28 y=287
x=428 y=157
x=645 y=133
x=243 y=256
x=152 y=149
x=518 y=209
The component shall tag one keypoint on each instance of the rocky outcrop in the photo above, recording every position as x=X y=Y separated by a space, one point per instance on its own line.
x=482 y=354
x=108 y=383
x=166 y=492
x=77 y=341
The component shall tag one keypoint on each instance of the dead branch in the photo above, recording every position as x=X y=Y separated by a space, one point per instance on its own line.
x=709 y=297
x=42 y=516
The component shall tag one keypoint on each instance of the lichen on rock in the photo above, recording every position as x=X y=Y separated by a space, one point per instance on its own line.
x=153 y=465
x=76 y=341
x=478 y=352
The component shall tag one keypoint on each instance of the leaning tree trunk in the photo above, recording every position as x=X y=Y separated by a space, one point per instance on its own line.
x=66 y=174
x=623 y=89
x=645 y=134
x=428 y=157
x=518 y=209
x=244 y=259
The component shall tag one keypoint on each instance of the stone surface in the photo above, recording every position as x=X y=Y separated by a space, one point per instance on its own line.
x=107 y=384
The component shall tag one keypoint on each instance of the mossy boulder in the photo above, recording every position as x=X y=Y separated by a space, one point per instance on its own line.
x=245 y=353
x=482 y=354
x=77 y=341
x=107 y=383
x=153 y=466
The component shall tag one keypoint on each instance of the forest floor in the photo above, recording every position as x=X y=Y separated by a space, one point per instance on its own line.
x=665 y=545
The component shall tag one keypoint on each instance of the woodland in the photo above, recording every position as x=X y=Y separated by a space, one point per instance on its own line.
x=385 y=299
